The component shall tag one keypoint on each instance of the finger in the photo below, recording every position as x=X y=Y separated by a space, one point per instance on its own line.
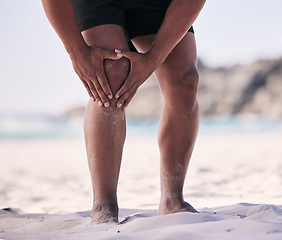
x=104 y=83
x=88 y=90
x=124 y=53
x=110 y=54
x=94 y=92
x=127 y=101
x=103 y=98
x=125 y=87
x=125 y=96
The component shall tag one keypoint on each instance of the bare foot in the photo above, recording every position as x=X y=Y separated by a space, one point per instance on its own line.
x=174 y=207
x=104 y=214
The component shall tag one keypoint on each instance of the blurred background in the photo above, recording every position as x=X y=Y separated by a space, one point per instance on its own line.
x=42 y=100
x=239 y=48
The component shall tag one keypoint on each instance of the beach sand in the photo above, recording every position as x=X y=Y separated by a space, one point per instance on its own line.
x=234 y=180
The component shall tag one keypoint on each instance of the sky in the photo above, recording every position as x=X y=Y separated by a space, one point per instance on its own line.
x=36 y=75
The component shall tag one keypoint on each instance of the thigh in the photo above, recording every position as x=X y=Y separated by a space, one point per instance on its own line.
x=180 y=63
x=107 y=36
x=179 y=71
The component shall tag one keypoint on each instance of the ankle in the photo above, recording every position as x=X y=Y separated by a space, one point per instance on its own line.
x=174 y=207
x=102 y=206
x=171 y=200
x=104 y=213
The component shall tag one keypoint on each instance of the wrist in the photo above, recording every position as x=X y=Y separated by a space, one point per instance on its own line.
x=156 y=57
x=75 y=51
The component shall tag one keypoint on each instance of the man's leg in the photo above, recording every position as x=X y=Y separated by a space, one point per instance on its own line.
x=104 y=128
x=178 y=80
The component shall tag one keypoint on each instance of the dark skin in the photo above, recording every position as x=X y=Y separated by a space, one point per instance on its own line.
x=101 y=58
x=182 y=12
x=88 y=61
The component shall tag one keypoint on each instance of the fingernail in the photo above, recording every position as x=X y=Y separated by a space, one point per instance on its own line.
x=117 y=51
x=110 y=96
x=119 y=105
x=124 y=108
x=119 y=55
x=117 y=96
x=100 y=103
x=107 y=104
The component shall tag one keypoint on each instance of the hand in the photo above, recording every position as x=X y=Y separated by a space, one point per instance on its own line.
x=88 y=64
x=142 y=66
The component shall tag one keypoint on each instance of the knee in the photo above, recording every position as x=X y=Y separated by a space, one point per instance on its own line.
x=185 y=88
x=187 y=81
x=116 y=72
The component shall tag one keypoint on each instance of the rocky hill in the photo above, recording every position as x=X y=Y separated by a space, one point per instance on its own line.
x=255 y=89
x=243 y=89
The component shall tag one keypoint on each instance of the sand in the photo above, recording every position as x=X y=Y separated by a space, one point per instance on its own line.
x=245 y=221
x=234 y=180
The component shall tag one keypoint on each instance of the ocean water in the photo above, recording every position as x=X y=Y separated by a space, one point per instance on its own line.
x=42 y=126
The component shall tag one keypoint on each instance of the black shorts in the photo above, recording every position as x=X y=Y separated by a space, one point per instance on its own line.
x=137 y=17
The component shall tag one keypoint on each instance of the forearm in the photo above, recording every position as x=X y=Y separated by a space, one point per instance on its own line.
x=61 y=16
x=179 y=17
